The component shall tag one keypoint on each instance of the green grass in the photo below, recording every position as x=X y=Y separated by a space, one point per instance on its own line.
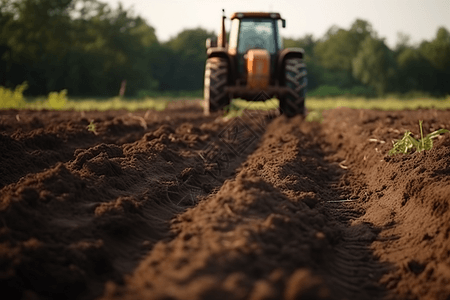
x=237 y=106
x=314 y=116
x=388 y=103
x=117 y=103
x=316 y=106
x=102 y=105
x=14 y=99
x=266 y=105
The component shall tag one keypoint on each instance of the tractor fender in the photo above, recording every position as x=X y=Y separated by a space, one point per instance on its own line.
x=283 y=56
x=222 y=52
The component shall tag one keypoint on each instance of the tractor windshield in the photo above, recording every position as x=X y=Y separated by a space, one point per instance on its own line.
x=257 y=33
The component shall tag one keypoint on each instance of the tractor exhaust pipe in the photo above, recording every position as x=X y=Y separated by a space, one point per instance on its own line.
x=222 y=34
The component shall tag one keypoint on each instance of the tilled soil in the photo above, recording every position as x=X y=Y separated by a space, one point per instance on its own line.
x=177 y=205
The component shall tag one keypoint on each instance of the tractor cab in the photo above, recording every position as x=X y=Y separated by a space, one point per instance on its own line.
x=254 y=31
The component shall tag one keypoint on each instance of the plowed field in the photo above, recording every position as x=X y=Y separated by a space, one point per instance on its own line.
x=177 y=205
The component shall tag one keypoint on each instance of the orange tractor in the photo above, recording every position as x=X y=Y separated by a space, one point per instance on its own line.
x=254 y=63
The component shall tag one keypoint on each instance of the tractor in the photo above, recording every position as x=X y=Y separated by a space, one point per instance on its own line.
x=254 y=63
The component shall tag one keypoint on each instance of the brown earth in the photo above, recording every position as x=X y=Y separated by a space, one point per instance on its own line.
x=176 y=205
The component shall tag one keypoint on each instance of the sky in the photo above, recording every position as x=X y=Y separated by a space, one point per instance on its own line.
x=419 y=19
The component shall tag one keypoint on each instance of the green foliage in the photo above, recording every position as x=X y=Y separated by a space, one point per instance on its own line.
x=57 y=100
x=314 y=116
x=438 y=50
x=414 y=72
x=161 y=102
x=388 y=103
x=233 y=110
x=402 y=42
x=259 y=105
x=184 y=58
x=307 y=43
x=437 y=53
x=411 y=94
x=83 y=46
x=373 y=64
x=339 y=47
x=169 y=94
x=118 y=103
x=327 y=91
x=13 y=99
x=237 y=107
x=408 y=143
x=91 y=127
x=335 y=54
x=333 y=91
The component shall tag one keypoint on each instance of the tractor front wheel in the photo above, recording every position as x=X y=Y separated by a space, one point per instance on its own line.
x=293 y=103
x=216 y=74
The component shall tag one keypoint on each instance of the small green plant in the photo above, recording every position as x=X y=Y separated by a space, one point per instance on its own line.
x=407 y=143
x=314 y=116
x=232 y=110
x=13 y=99
x=91 y=127
x=57 y=100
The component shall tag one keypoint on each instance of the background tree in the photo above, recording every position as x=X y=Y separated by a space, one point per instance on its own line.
x=403 y=40
x=80 y=45
x=335 y=53
x=374 y=64
x=437 y=52
x=188 y=55
x=414 y=73
x=339 y=46
x=33 y=31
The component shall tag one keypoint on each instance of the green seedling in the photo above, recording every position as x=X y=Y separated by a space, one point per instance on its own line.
x=91 y=127
x=232 y=111
x=407 y=143
x=314 y=116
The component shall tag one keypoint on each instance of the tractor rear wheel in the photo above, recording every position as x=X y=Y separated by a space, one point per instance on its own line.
x=216 y=78
x=293 y=103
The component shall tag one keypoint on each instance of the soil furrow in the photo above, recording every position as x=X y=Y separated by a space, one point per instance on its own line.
x=176 y=205
x=110 y=200
x=405 y=196
x=262 y=234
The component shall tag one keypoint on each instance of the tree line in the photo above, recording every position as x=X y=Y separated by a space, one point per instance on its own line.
x=357 y=59
x=89 y=49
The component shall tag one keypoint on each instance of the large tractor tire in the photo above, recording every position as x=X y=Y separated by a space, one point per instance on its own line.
x=293 y=103
x=216 y=74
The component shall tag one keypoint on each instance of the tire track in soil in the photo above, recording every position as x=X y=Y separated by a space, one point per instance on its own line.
x=268 y=233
